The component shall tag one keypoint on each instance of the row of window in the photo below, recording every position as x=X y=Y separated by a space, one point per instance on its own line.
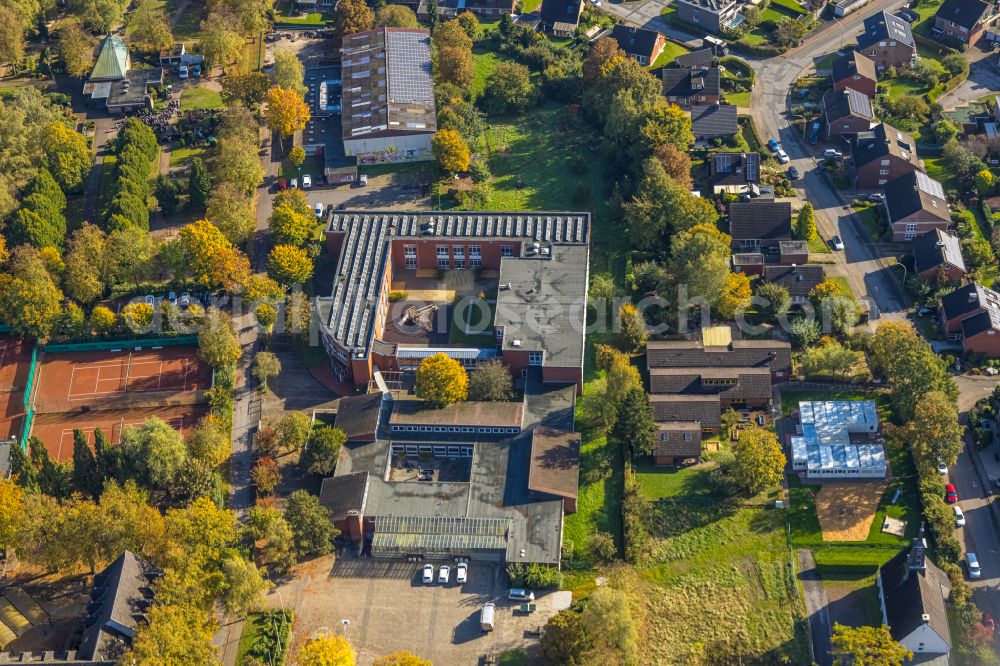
x=458 y=429
x=665 y=437
x=440 y=451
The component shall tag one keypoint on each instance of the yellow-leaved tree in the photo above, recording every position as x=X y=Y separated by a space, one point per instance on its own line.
x=450 y=150
x=289 y=264
x=442 y=380
x=327 y=649
x=210 y=258
x=287 y=112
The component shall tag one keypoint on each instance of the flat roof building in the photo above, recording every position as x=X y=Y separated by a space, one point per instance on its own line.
x=837 y=438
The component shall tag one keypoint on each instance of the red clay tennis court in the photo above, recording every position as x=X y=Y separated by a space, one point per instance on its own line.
x=56 y=430
x=15 y=363
x=69 y=381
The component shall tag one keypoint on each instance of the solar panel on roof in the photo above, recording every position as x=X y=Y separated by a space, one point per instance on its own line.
x=929 y=186
x=752 y=167
x=409 y=67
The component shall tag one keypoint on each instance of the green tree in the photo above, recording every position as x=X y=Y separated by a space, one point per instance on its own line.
x=777 y=300
x=265 y=366
x=352 y=16
x=830 y=358
x=934 y=432
x=232 y=213
x=564 y=641
x=167 y=195
x=455 y=66
x=490 y=382
x=287 y=112
x=28 y=226
x=86 y=476
x=661 y=207
x=288 y=72
x=676 y=164
x=217 y=342
x=293 y=430
x=634 y=332
x=148 y=26
x=157 y=449
x=396 y=16
x=291 y=226
x=272 y=538
x=441 y=380
x=30 y=302
x=700 y=261
x=297 y=156
x=175 y=634
x=289 y=265
x=508 y=89
x=634 y=427
x=245 y=587
x=804 y=330
x=220 y=41
x=199 y=185
x=76 y=48
x=610 y=628
x=323 y=450
x=667 y=123
x=805 y=223
x=866 y=646
x=452 y=34
x=312 y=529
x=247 y=89
x=759 y=461
x=67 y=155
x=469 y=23
x=129 y=254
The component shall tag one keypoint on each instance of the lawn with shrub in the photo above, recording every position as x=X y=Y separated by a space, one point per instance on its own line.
x=265 y=638
x=199 y=97
x=669 y=54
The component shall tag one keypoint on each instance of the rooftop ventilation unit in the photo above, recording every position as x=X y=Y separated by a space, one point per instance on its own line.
x=516 y=342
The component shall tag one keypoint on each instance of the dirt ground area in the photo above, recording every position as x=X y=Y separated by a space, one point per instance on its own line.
x=387 y=608
x=853 y=599
x=846 y=508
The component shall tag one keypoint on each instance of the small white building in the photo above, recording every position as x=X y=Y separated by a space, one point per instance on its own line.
x=836 y=440
x=912 y=593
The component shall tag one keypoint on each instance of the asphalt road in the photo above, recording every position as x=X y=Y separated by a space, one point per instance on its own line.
x=816 y=606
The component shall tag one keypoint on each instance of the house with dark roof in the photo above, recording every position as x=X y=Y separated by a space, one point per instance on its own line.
x=700 y=59
x=847 y=112
x=759 y=225
x=938 y=253
x=359 y=415
x=912 y=591
x=915 y=203
x=713 y=121
x=887 y=41
x=639 y=43
x=560 y=17
x=793 y=252
x=688 y=87
x=691 y=383
x=734 y=173
x=963 y=20
x=882 y=154
x=444 y=483
x=113 y=83
x=540 y=261
x=715 y=16
x=855 y=71
x=971 y=314
x=389 y=114
x=798 y=280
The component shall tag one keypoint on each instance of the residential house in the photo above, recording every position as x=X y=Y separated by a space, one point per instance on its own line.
x=715 y=16
x=734 y=173
x=700 y=59
x=693 y=382
x=938 y=253
x=639 y=43
x=971 y=314
x=113 y=83
x=915 y=204
x=759 y=226
x=856 y=71
x=715 y=121
x=912 y=591
x=751 y=263
x=887 y=41
x=847 y=112
x=882 y=154
x=560 y=17
x=793 y=252
x=838 y=439
x=488 y=9
x=798 y=280
x=964 y=21
x=688 y=87
x=388 y=109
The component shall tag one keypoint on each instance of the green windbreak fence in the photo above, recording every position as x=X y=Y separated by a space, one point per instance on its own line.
x=106 y=345
x=29 y=410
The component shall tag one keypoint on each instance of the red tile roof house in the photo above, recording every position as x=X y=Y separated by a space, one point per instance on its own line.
x=937 y=253
x=963 y=20
x=971 y=314
x=643 y=45
x=915 y=204
x=881 y=155
x=847 y=112
x=855 y=71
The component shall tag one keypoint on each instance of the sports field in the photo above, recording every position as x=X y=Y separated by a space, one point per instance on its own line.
x=15 y=363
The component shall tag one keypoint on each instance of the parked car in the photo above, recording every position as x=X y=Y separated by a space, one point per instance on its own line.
x=150 y=300
x=428 y=574
x=444 y=573
x=814 y=134
x=518 y=594
x=876 y=197
x=282 y=184
x=950 y=494
x=306 y=182
x=991 y=371
x=783 y=156
x=974 y=570
x=988 y=621
x=942 y=468
x=773 y=145
x=793 y=173
x=196 y=71
x=172 y=298
x=319 y=210
x=925 y=311
x=837 y=243
x=462 y=573
x=182 y=72
x=294 y=183
x=185 y=299
x=830 y=152
x=959 y=516
x=363 y=180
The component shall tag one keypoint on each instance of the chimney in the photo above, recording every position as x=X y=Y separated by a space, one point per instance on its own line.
x=917 y=557
x=925 y=618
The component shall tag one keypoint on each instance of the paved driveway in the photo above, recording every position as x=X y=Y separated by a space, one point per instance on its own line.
x=387 y=609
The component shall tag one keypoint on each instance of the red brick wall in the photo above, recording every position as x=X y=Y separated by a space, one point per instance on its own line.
x=869 y=177
x=361 y=369
x=835 y=127
x=427 y=251
x=984 y=343
x=862 y=85
x=924 y=224
x=334 y=241
x=886 y=56
x=563 y=375
x=350 y=527
x=516 y=360
x=950 y=272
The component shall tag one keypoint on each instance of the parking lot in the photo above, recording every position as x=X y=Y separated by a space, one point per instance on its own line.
x=388 y=608
x=398 y=191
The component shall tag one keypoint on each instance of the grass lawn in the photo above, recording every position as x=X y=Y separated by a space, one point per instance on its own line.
x=659 y=482
x=802 y=518
x=854 y=598
x=181 y=155
x=724 y=576
x=818 y=245
x=317 y=19
x=826 y=61
x=187 y=23
x=484 y=60
x=843 y=284
x=313 y=165
x=741 y=100
x=938 y=169
x=833 y=557
x=670 y=51
x=513 y=658
x=867 y=216
x=791 y=7
x=472 y=314
x=253 y=630
x=109 y=179
x=200 y=98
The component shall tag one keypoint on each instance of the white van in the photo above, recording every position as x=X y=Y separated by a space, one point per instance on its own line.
x=518 y=594
x=486 y=616
x=973 y=562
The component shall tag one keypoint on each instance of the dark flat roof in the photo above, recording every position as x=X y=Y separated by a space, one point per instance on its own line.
x=555 y=462
x=497 y=414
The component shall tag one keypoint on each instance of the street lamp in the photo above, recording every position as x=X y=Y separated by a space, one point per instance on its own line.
x=903 y=266
x=345 y=624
